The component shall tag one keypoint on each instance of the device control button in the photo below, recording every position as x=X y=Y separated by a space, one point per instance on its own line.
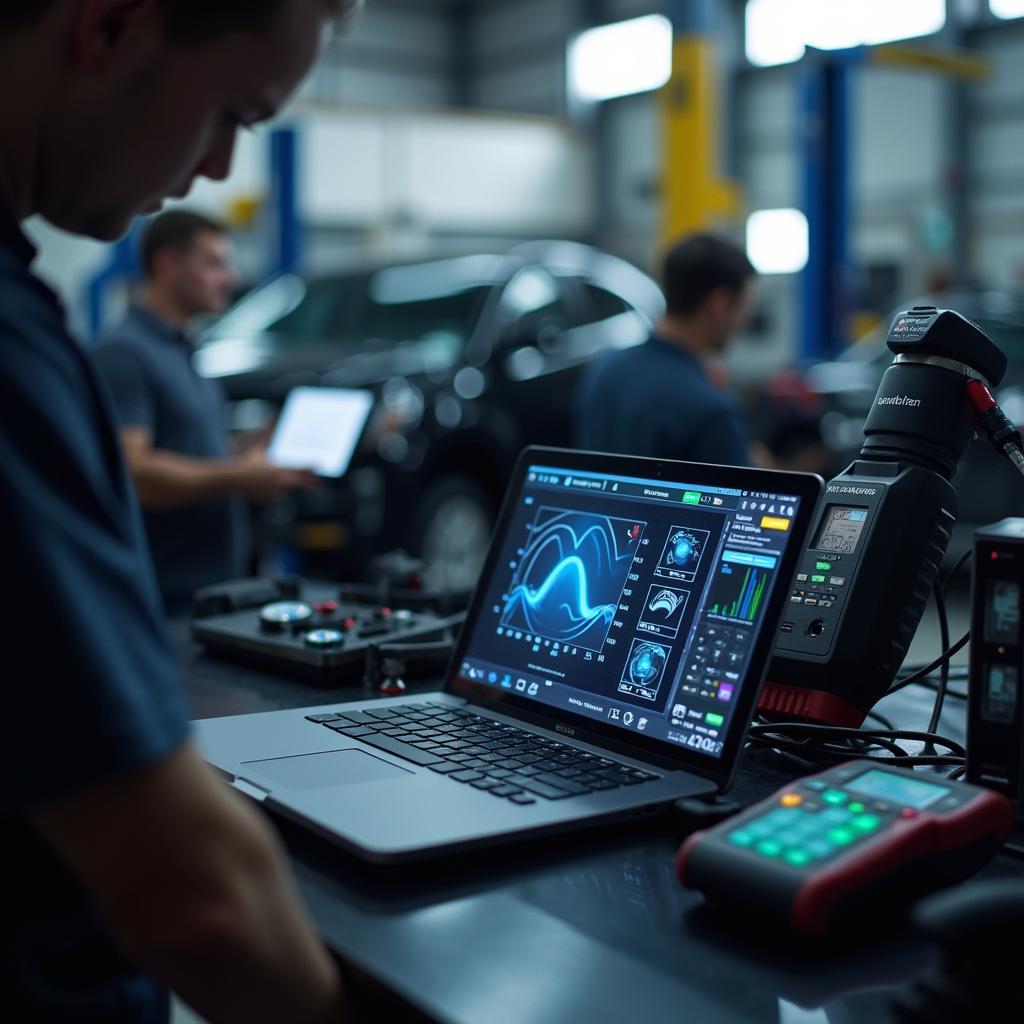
x=797 y=858
x=835 y=797
x=810 y=600
x=837 y=581
x=801 y=577
x=816 y=628
x=817 y=785
x=769 y=847
x=909 y=813
x=325 y=607
x=817 y=579
x=796 y=599
x=741 y=838
x=842 y=836
x=825 y=604
x=791 y=800
x=866 y=823
x=856 y=808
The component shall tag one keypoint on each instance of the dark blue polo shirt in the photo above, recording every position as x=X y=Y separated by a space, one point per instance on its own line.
x=655 y=400
x=147 y=366
x=91 y=688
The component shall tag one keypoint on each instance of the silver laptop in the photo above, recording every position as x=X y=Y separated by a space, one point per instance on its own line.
x=609 y=665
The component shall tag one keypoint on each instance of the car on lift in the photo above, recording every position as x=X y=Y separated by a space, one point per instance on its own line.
x=470 y=357
x=830 y=400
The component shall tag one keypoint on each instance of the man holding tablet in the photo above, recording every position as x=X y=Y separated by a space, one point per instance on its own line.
x=191 y=484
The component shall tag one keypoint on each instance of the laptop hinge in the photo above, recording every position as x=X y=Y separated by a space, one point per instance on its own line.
x=250 y=789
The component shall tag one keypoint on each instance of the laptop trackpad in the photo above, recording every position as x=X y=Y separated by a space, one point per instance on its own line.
x=325 y=769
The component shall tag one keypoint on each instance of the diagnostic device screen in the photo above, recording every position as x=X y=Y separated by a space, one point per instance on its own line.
x=999 y=700
x=896 y=789
x=841 y=529
x=1002 y=612
x=319 y=429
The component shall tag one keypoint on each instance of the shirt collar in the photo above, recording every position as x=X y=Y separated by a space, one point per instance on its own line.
x=158 y=326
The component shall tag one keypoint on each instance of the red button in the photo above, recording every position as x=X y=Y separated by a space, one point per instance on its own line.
x=907 y=812
x=326 y=607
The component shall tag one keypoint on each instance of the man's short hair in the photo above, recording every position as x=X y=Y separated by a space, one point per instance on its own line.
x=188 y=21
x=175 y=229
x=697 y=266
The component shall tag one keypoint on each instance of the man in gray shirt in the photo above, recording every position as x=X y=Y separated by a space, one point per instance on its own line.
x=191 y=484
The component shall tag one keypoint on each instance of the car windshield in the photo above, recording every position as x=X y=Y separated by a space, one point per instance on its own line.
x=395 y=305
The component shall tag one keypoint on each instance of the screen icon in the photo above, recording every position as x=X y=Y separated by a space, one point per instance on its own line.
x=532 y=692
x=613 y=714
x=642 y=724
x=679 y=711
x=520 y=685
x=627 y=718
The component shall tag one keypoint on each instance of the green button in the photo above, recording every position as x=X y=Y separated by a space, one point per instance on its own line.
x=691 y=497
x=817 y=579
x=713 y=719
x=797 y=858
x=769 y=848
x=842 y=836
x=856 y=808
x=824 y=566
x=833 y=796
x=866 y=823
x=741 y=838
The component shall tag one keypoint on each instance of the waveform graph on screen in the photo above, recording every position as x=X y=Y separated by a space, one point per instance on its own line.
x=569 y=576
x=738 y=592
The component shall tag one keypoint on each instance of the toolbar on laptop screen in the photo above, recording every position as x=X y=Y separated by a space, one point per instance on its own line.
x=634 y=602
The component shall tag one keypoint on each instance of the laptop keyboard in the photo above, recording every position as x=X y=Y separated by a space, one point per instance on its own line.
x=495 y=757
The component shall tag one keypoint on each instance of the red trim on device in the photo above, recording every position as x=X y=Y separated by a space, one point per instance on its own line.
x=808 y=705
x=689 y=844
x=905 y=840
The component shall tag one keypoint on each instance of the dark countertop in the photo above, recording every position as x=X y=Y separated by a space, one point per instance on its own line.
x=592 y=927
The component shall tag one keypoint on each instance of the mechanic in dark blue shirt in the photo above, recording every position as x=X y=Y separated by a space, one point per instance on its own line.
x=656 y=399
x=191 y=482
x=129 y=868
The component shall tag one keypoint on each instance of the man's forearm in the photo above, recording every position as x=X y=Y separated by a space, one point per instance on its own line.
x=164 y=479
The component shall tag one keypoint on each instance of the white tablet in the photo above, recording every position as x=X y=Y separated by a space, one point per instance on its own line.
x=319 y=429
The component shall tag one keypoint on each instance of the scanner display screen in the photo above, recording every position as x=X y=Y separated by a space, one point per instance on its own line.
x=841 y=529
x=1002 y=612
x=897 y=789
x=999 y=700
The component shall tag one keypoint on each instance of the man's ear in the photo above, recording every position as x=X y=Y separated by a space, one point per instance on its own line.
x=107 y=34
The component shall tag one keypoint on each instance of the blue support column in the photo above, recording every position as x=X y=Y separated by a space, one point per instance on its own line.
x=826 y=283
x=122 y=265
x=286 y=250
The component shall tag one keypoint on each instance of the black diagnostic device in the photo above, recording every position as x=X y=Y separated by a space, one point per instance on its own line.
x=325 y=640
x=995 y=708
x=858 y=837
x=882 y=527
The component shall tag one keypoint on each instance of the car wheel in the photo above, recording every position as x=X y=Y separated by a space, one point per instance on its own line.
x=455 y=520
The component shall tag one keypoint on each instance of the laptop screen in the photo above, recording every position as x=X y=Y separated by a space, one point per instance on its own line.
x=631 y=601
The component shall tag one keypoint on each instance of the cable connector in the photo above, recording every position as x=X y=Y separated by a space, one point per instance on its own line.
x=993 y=423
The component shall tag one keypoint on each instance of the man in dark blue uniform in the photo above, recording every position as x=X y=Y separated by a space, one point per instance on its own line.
x=656 y=399
x=191 y=483
x=130 y=869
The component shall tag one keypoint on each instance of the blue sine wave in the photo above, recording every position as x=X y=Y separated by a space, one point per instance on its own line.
x=568 y=584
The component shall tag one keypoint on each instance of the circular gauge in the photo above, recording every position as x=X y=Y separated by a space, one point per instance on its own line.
x=647 y=664
x=284 y=614
x=323 y=639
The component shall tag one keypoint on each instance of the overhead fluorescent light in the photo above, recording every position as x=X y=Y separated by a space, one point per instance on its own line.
x=778 y=31
x=1007 y=8
x=621 y=59
x=777 y=241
